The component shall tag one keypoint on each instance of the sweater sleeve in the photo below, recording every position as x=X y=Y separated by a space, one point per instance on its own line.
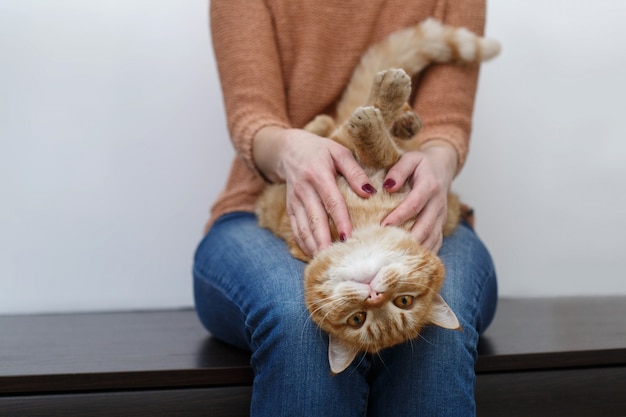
x=248 y=63
x=445 y=94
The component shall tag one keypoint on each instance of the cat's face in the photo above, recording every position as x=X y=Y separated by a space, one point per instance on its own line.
x=377 y=289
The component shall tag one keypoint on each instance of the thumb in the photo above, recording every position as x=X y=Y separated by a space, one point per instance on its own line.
x=354 y=174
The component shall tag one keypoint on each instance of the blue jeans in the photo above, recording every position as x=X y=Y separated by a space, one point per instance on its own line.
x=249 y=293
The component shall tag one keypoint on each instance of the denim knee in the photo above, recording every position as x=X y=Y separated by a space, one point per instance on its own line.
x=470 y=286
x=213 y=306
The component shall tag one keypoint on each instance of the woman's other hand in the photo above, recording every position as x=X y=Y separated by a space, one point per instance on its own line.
x=309 y=165
x=430 y=172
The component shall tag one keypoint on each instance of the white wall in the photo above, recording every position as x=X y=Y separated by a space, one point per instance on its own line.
x=113 y=145
x=547 y=169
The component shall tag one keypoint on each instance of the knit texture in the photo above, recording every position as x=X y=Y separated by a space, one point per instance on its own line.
x=282 y=62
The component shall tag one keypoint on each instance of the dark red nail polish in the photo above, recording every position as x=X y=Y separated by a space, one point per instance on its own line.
x=389 y=183
x=368 y=188
x=342 y=237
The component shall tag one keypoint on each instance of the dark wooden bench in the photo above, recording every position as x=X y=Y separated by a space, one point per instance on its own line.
x=541 y=357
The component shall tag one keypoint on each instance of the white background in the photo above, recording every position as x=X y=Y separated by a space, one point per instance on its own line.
x=113 y=145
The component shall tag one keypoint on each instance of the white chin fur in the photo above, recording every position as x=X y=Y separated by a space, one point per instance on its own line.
x=370 y=251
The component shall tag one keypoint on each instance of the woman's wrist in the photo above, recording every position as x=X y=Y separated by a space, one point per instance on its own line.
x=444 y=155
x=267 y=144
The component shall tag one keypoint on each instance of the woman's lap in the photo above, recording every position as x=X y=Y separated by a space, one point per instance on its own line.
x=248 y=292
x=439 y=366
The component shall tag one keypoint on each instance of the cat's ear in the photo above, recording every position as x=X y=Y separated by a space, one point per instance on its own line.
x=442 y=315
x=340 y=354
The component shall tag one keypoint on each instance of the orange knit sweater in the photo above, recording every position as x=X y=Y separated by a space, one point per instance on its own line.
x=281 y=62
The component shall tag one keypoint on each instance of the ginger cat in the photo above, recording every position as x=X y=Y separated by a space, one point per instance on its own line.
x=379 y=287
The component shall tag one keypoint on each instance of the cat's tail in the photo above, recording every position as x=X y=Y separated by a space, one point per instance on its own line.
x=412 y=49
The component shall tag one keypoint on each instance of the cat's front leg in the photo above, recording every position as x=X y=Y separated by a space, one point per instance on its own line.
x=372 y=144
x=390 y=90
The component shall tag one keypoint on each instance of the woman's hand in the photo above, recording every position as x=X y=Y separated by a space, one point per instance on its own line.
x=309 y=165
x=430 y=173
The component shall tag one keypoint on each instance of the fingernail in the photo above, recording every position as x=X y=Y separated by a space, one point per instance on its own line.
x=368 y=188
x=389 y=183
x=342 y=237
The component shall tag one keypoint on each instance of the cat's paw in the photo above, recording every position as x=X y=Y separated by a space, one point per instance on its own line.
x=366 y=122
x=373 y=147
x=407 y=125
x=390 y=90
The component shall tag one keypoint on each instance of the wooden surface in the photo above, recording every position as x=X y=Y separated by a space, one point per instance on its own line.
x=170 y=349
x=555 y=333
x=576 y=392
x=105 y=351
x=201 y=402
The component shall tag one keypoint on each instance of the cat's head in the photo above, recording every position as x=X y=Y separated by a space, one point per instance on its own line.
x=375 y=290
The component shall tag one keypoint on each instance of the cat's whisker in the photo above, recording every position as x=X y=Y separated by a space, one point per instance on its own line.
x=417 y=284
x=425 y=340
x=412 y=344
x=330 y=298
x=410 y=282
x=362 y=359
x=380 y=357
x=306 y=319
x=327 y=303
x=338 y=304
x=318 y=331
x=362 y=348
x=334 y=298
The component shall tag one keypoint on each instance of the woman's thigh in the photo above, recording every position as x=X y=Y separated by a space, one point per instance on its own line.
x=241 y=270
x=249 y=292
x=434 y=375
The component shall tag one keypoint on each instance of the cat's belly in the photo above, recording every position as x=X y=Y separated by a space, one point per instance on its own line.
x=372 y=210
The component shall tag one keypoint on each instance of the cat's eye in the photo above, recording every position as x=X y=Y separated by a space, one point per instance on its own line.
x=404 y=301
x=356 y=320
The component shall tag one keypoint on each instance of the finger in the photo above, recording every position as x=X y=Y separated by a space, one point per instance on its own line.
x=401 y=171
x=308 y=229
x=354 y=174
x=438 y=244
x=433 y=243
x=335 y=206
x=428 y=226
x=304 y=239
x=315 y=222
x=406 y=210
x=424 y=225
x=424 y=190
x=309 y=221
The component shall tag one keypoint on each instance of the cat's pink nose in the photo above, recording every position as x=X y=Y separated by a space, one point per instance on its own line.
x=375 y=298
